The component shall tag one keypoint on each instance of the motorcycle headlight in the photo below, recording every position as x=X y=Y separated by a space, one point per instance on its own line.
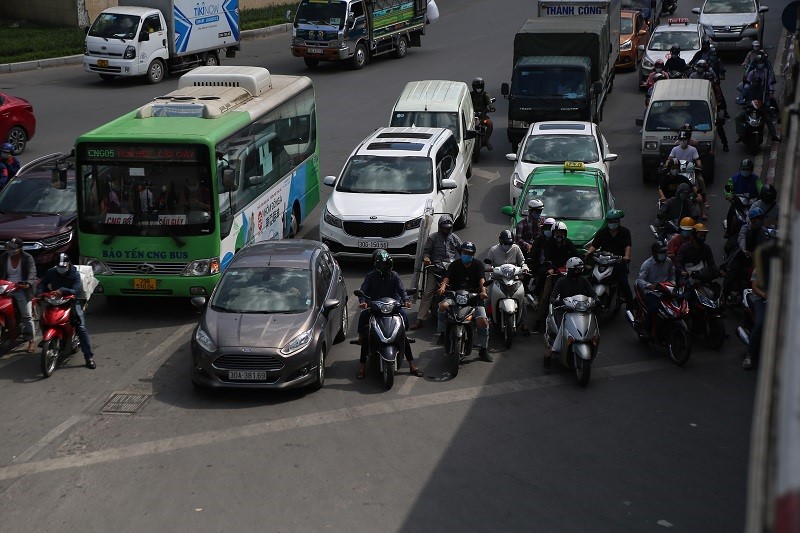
x=385 y=307
x=627 y=45
x=651 y=145
x=413 y=224
x=202 y=267
x=336 y=222
x=297 y=343
x=518 y=124
x=130 y=53
x=461 y=299
x=204 y=340
x=97 y=266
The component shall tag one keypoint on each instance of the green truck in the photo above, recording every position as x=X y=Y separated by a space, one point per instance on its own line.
x=356 y=30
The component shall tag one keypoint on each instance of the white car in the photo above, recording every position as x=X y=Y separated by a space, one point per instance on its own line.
x=379 y=199
x=555 y=142
x=676 y=31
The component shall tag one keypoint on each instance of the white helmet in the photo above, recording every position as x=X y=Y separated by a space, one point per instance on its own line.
x=549 y=221
x=535 y=204
x=575 y=263
x=559 y=226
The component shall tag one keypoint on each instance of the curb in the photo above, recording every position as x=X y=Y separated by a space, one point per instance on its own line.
x=78 y=59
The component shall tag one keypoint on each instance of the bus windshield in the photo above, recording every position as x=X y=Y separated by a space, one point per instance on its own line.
x=141 y=190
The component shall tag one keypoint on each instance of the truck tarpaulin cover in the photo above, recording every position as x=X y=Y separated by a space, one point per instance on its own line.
x=584 y=37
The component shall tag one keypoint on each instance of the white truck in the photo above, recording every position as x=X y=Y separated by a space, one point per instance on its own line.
x=154 y=38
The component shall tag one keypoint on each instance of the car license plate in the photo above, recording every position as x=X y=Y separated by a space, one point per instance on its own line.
x=373 y=244
x=315 y=50
x=145 y=284
x=247 y=375
x=102 y=63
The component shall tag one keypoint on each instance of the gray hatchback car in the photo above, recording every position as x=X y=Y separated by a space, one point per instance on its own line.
x=272 y=318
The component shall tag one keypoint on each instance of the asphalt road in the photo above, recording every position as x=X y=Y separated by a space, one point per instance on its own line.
x=503 y=446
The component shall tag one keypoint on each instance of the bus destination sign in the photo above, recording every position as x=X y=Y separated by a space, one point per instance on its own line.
x=164 y=152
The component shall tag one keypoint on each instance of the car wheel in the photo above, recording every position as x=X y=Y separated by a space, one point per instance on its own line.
x=320 y=378
x=344 y=326
x=155 y=72
x=18 y=138
x=461 y=222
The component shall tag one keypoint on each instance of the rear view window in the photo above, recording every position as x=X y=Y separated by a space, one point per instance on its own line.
x=670 y=115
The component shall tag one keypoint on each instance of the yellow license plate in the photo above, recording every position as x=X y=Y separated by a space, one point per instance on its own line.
x=102 y=63
x=145 y=284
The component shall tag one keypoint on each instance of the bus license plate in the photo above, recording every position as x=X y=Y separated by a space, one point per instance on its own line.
x=248 y=375
x=145 y=284
x=373 y=244
x=102 y=63
x=315 y=50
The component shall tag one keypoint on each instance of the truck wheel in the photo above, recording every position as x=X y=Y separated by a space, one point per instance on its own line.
x=211 y=60
x=359 y=59
x=402 y=48
x=311 y=62
x=107 y=77
x=155 y=72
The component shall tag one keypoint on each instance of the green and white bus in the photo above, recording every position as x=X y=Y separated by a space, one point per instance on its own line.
x=170 y=191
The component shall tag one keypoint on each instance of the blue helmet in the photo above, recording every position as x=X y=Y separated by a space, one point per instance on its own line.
x=468 y=247
x=756 y=212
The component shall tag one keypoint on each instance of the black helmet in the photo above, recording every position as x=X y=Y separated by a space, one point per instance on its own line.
x=468 y=247
x=747 y=164
x=684 y=135
x=658 y=247
x=382 y=261
x=478 y=83
x=14 y=243
x=676 y=49
x=768 y=193
x=706 y=43
x=506 y=237
x=445 y=222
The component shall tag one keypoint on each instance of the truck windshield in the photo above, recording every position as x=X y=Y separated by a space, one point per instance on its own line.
x=322 y=13
x=566 y=201
x=114 y=26
x=550 y=81
x=427 y=119
x=392 y=175
x=663 y=40
x=669 y=115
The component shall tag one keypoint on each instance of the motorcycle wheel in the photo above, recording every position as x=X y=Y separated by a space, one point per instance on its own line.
x=716 y=334
x=76 y=344
x=583 y=369
x=679 y=344
x=454 y=354
x=508 y=332
x=50 y=350
x=388 y=375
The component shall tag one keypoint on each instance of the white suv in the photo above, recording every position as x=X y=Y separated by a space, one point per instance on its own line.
x=379 y=198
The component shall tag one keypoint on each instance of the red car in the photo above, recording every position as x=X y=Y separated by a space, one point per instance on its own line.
x=17 y=123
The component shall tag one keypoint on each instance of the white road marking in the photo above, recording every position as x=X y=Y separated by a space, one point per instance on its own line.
x=13 y=358
x=50 y=437
x=488 y=176
x=406 y=388
x=396 y=405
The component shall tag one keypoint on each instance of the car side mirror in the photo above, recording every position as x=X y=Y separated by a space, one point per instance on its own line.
x=329 y=305
x=640 y=122
x=448 y=183
x=330 y=181
x=229 y=179
x=511 y=157
x=144 y=36
x=640 y=48
x=505 y=90
x=610 y=157
x=470 y=134
x=507 y=210
x=763 y=9
x=695 y=10
x=199 y=302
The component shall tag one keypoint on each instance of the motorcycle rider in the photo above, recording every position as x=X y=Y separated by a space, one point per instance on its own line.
x=467 y=274
x=573 y=284
x=670 y=180
x=743 y=182
x=443 y=246
x=675 y=63
x=658 y=68
x=557 y=252
x=8 y=159
x=64 y=279
x=767 y=201
x=530 y=227
x=507 y=252
x=685 y=151
x=678 y=206
x=680 y=238
x=382 y=282
x=695 y=251
x=19 y=266
x=751 y=235
x=751 y=55
x=656 y=269
x=482 y=104
x=764 y=91
x=759 y=311
x=616 y=239
x=716 y=63
x=536 y=261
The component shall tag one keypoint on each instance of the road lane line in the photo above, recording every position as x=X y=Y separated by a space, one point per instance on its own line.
x=327 y=417
x=12 y=358
x=406 y=388
x=50 y=437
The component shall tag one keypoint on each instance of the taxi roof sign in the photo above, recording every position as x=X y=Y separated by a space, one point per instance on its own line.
x=679 y=20
x=574 y=165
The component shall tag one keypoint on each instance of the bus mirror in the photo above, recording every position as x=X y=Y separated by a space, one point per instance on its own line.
x=255 y=180
x=229 y=179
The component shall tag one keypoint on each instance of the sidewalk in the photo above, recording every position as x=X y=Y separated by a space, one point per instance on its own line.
x=78 y=59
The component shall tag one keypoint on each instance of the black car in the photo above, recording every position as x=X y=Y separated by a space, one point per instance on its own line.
x=39 y=205
x=272 y=318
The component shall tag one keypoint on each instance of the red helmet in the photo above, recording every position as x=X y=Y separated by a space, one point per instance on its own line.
x=659 y=63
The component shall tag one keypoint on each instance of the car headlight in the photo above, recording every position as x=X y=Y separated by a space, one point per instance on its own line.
x=647 y=63
x=204 y=340
x=651 y=145
x=297 y=343
x=334 y=221
x=98 y=267
x=518 y=124
x=202 y=267
x=517 y=181
x=627 y=45
x=130 y=53
x=335 y=44
x=297 y=41
x=413 y=224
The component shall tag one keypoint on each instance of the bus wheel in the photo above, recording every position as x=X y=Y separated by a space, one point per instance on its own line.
x=155 y=72
x=294 y=223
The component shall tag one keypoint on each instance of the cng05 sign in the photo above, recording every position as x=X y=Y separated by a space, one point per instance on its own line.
x=163 y=152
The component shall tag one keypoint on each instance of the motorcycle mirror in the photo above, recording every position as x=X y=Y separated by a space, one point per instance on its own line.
x=487 y=261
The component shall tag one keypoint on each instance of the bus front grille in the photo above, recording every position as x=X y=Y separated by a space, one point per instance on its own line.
x=143 y=268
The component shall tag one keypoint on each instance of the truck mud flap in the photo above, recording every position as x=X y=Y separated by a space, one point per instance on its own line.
x=415 y=38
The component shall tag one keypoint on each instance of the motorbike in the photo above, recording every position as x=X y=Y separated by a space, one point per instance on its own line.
x=753 y=134
x=575 y=340
x=9 y=315
x=741 y=281
x=604 y=282
x=744 y=331
x=740 y=207
x=59 y=334
x=506 y=298
x=705 y=305
x=483 y=125
x=386 y=336
x=459 y=328
x=669 y=321
x=664 y=230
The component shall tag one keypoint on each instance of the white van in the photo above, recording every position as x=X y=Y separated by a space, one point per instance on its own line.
x=674 y=103
x=439 y=104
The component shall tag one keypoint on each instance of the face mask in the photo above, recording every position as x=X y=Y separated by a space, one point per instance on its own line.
x=661 y=257
x=534 y=215
x=745 y=173
x=686 y=233
x=684 y=144
x=701 y=239
x=673 y=172
x=505 y=247
x=613 y=225
x=548 y=233
x=467 y=259
x=559 y=238
x=5 y=155
x=62 y=270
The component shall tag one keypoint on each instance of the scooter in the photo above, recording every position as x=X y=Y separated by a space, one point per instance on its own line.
x=664 y=230
x=753 y=134
x=9 y=315
x=604 y=282
x=744 y=331
x=740 y=207
x=483 y=125
x=574 y=342
x=705 y=305
x=59 y=335
x=506 y=298
x=669 y=326
x=459 y=328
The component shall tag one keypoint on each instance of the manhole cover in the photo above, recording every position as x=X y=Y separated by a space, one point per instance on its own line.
x=124 y=403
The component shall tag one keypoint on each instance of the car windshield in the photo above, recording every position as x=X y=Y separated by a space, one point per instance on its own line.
x=553 y=82
x=321 y=12
x=427 y=119
x=664 y=40
x=272 y=289
x=554 y=149
x=38 y=196
x=715 y=7
x=669 y=115
x=115 y=26
x=625 y=26
x=570 y=202
x=388 y=175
